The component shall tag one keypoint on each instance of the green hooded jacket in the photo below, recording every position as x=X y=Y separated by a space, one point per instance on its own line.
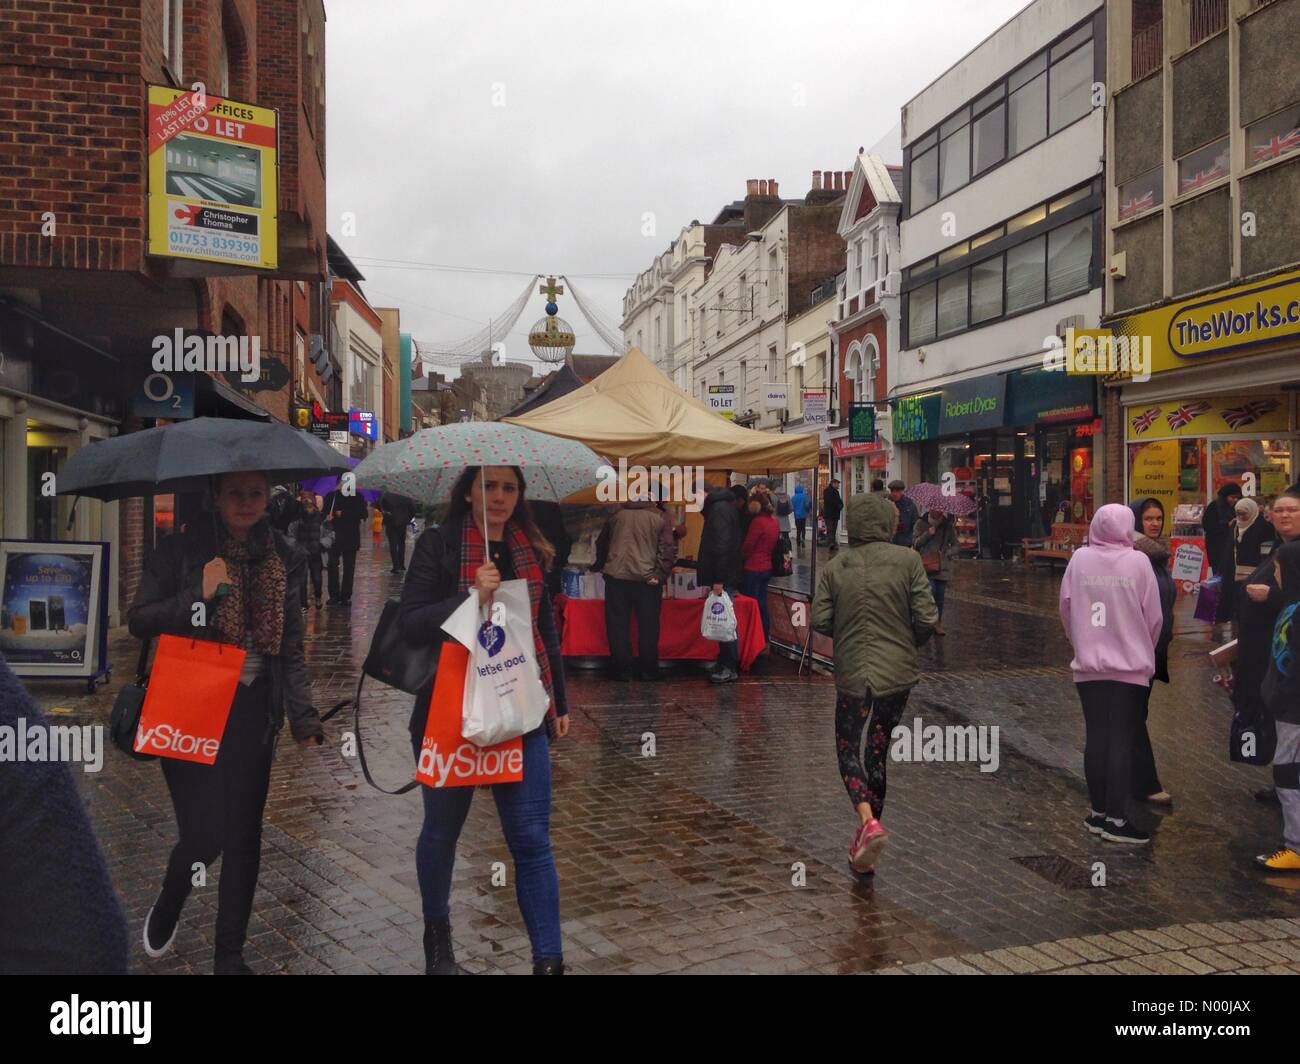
x=874 y=601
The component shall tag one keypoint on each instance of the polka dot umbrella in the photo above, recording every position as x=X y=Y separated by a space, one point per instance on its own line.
x=425 y=466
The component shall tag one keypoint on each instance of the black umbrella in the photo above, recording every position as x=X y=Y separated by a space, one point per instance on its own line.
x=181 y=457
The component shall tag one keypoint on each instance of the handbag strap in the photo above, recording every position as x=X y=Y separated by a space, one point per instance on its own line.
x=361 y=749
x=140 y=677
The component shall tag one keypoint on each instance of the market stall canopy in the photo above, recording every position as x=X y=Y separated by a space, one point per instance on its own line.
x=633 y=411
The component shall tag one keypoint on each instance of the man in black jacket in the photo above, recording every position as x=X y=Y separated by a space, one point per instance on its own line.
x=719 y=566
x=908 y=514
x=346 y=513
x=1217 y=523
x=832 y=507
x=59 y=914
x=398 y=512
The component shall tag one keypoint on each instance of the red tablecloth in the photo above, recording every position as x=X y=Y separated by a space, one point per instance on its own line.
x=679 y=630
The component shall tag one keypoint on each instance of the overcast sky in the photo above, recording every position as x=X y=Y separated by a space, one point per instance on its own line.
x=536 y=137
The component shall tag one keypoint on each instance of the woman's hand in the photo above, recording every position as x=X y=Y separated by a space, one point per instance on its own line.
x=486 y=581
x=1258 y=592
x=215 y=574
x=562 y=726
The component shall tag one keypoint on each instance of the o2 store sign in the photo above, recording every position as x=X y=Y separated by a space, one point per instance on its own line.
x=363 y=423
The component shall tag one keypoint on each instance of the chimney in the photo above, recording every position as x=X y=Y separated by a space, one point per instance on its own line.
x=751 y=187
x=773 y=188
x=848 y=177
x=817 y=180
x=762 y=186
x=839 y=178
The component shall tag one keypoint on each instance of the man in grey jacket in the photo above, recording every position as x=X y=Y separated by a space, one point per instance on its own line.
x=636 y=551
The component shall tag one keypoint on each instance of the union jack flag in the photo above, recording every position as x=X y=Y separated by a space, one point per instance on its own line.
x=1186 y=414
x=1143 y=421
x=1136 y=203
x=1278 y=144
x=1204 y=177
x=1249 y=412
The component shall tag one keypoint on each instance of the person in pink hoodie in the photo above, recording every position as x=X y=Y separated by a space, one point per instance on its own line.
x=1110 y=606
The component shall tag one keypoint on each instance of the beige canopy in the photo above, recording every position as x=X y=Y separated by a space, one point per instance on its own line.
x=633 y=411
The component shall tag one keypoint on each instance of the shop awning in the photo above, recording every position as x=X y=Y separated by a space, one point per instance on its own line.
x=214 y=398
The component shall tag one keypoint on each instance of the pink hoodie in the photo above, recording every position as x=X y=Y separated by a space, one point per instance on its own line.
x=1110 y=604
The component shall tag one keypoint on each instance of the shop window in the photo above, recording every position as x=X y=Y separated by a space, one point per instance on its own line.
x=1268 y=462
x=1143 y=193
x=1273 y=137
x=1203 y=167
x=1069 y=254
x=1025 y=275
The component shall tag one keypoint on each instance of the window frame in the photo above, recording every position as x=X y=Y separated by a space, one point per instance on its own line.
x=173 y=26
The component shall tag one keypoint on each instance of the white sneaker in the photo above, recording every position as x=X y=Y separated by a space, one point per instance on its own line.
x=159 y=951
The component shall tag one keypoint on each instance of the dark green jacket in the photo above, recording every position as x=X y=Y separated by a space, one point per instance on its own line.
x=874 y=601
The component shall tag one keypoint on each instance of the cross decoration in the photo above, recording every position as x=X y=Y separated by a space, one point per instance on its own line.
x=550 y=290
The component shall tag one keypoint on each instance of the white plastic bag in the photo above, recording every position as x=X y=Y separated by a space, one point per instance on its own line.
x=718 y=619
x=504 y=693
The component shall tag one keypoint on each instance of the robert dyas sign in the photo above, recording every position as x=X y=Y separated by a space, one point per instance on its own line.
x=212 y=178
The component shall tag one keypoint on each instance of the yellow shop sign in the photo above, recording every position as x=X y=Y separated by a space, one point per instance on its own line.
x=1232 y=323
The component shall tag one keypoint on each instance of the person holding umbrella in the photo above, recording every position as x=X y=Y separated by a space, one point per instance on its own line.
x=935 y=536
x=219 y=806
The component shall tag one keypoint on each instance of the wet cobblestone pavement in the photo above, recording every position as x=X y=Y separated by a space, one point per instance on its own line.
x=688 y=861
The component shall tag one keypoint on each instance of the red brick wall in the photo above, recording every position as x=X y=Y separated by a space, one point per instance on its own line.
x=816 y=252
x=877 y=329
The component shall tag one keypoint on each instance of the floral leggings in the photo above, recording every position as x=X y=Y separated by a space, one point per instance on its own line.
x=863 y=770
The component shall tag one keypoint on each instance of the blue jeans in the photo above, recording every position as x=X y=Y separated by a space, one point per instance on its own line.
x=937 y=589
x=525 y=812
x=755 y=586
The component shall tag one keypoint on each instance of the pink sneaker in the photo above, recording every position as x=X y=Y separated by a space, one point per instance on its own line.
x=867 y=844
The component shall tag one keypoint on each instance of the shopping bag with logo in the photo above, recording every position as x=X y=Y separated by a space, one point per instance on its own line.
x=718 y=619
x=447 y=758
x=504 y=693
x=191 y=689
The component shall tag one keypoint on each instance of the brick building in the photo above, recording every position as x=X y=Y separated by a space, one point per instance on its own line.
x=78 y=288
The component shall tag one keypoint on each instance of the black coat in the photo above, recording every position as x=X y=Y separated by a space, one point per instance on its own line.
x=1255 y=622
x=719 y=561
x=397 y=510
x=173 y=582
x=59 y=914
x=908 y=516
x=431 y=594
x=1254 y=547
x=349 y=513
x=1216 y=518
x=832 y=504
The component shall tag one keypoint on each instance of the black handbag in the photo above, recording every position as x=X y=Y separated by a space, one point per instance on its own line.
x=392 y=661
x=124 y=721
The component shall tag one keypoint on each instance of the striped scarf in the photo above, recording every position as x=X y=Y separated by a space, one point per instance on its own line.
x=473 y=553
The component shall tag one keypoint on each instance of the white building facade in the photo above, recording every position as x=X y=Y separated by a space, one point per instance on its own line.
x=1001 y=237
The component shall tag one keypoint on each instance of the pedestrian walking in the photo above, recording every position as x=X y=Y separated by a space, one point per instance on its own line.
x=1248 y=542
x=487 y=537
x=1258 y=607
x=1281 y=692
x=719 y=567
x=799 y=503
x=935 y=539
x=345 y=514
x=1149 y=515
x=875 y=603
x=376 y=523
x=305 y=532
x=1110 y=607
x=398 y=511
x=784 y=513
x=636 y=551
x=756 y=553
x=832 y=507
x=1215 y=519
x=908 y=514
x=219 y=806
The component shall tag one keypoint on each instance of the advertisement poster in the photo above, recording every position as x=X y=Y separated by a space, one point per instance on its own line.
x=722 y=400
x=814 y=408
x=212 y=179
x=1189 y=562
x=51 y=607
x=1155 y=470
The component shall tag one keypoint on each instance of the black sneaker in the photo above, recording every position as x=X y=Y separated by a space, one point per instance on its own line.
x=1095 y=823
x=1127 y=832
x=231 y=966
x=159 y=932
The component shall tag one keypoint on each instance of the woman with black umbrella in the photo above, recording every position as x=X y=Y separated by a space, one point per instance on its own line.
x=250 y=581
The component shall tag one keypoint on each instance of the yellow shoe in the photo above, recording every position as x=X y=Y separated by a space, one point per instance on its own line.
x=1283 y=861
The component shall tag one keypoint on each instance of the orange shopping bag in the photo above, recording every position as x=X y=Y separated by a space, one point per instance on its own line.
x=186 y=706
x=447 y=758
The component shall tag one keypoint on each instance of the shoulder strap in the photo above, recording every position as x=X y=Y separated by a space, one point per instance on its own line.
x=361 y=750
x=144 y=659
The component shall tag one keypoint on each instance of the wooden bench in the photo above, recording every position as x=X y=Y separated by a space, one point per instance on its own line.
x=1063 y=542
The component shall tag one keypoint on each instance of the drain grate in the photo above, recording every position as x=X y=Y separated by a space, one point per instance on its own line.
x=1058 y=870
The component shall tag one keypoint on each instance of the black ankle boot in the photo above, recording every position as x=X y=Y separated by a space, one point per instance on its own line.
x=232 y=964
x=438 y=956
x=549 y=966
